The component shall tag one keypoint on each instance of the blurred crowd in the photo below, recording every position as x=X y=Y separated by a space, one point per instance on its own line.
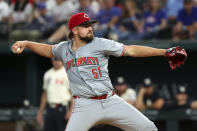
x=131 y=20
x=150 y=96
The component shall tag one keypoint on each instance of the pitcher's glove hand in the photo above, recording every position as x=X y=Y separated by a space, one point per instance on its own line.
x=176 y=56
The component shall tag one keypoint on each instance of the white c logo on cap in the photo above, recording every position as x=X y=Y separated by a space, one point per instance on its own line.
x=86 y=16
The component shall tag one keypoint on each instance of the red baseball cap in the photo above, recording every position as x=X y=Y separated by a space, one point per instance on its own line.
x=79 y=19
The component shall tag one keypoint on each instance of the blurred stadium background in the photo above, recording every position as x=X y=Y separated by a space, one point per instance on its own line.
x=130 y=23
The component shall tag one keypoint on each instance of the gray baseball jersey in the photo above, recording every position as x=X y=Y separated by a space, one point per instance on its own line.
x=87 y=68
x=88 y=76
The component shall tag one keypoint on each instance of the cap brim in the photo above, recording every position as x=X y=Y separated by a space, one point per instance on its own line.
x=88 y=22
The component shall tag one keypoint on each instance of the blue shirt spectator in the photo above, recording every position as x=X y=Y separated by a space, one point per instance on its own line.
x=108 y=20
x=187 y=18
x=153 y=20
x=186 y=26
x=105 y=16
x=129 y=22
x=172 y=7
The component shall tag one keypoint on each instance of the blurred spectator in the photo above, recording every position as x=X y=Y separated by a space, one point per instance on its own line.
x=142 y=4
x=85 y=6
x=195 y=3
x=40 y=24
x=154 y=20
x=51 y=3
x=121 y=88
x=186 y=22
x=4 y=11
x=149 y=97
x=130 y=22
x=172 y=7
x=21 y=10
x=61 y=11
x=108 y=18
x=4 y=14
x=95 y=4
x=55 y=98
x=182 y=100
x=62 y=31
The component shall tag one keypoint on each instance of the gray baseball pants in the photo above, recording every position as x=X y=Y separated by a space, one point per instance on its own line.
x=113 y=111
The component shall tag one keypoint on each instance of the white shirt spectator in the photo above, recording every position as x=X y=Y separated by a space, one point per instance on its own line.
x=4 y=10
x=21 y=16
x=56 y=85
x=50 y=4
x=63 y=11
x=95 y=6
x=129 y=95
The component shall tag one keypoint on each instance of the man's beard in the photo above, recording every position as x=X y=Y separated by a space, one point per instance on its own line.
x=86 y=39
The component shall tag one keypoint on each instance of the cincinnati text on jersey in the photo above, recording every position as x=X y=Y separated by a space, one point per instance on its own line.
x=81 y=62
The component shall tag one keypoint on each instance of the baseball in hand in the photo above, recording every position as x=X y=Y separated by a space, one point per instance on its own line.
x=18 y=49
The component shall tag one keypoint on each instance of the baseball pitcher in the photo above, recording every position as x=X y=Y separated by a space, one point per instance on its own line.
x=85 y=59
